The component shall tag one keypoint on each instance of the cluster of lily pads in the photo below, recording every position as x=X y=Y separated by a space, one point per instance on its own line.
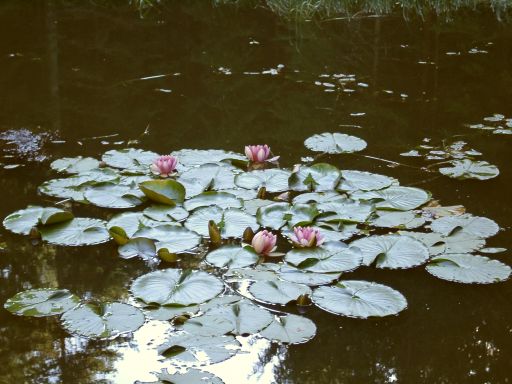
x=267 y=238
x=497 y=124
x=455 y=160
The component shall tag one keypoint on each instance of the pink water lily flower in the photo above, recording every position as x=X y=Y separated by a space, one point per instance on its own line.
x=306 y=237
x=164 y=166
x=264 y=242
x=257 y=153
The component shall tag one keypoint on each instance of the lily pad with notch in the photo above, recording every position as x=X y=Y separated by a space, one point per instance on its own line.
x=274 y=180
x=395 y=198
x=335 y=143
x=470 y=169
x=320 y=177
x=41 y=302
x=476 y=226
x=219 y=199
x=353 y=180
x=330 y=257
x=169 y=192
x=22 y=221
x=232 y=256
x=277 y=292
x=232 y=222
x=76 y=232
x=290 y=329
x=112 y=195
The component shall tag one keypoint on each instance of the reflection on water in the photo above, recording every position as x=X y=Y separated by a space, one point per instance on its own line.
x=81 y=79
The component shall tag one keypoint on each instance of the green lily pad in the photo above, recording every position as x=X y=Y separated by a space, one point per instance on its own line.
x=245 y=317
x=300 y=276
x=360 y=299
x=278 y=215
x=335 y=143
x=186 y=348
x=437 y=244
x=41 y=302
x=174 y=286
x=174 y=238
x=395 y=198
x=208 y=177
x=220 y=199
x=207 y=325
x=74 y=164
x=278 y=292
x=290 y=329
x=331 y=257
x=22 y=221
x=363 y=181
x=106 y=320
x=167 y=191
x=274 y=180
x=476 y=226
x=191 y=376
x=194 y=157
x=232 y=222
x=469 y=169
x=129 y=158
x=141 y=247
x=467 y=268
x=319 y=197
x=319 y=177
x=398 y=219
x=256 y=273
x=76 y=232
x=168 y=312
x=252 y=206
x=346 y=210
x=166 y=213
x=131 y=222
x=110 y=195
x=392 y=251
x=232 y=256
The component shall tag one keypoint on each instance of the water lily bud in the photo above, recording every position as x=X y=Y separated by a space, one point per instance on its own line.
x=102 y=164
x=261 y=193
x=214 y=233
x=303 y=300
x=264 y=242
x=167 y=256
x=164 y=166
x=248 y=235
x=304 y=237
x=34 y=234
x=179 y=320
x=257 y=153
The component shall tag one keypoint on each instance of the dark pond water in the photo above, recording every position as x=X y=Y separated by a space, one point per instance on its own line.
x=79 y=79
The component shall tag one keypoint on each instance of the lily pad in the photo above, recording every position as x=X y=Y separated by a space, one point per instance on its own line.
x=300 y=276
x=167 y=192
x=467 y=268
x=274 y=180
x=232 y=222
x=143 y=248
x=360 y=299
x=208 y=177
x=22 y=221
x=319 y=177
x=168 y=312
x=335 y=143
x=131 y=222
x=41 y=302
x=395 y=198
x=331 y=257
x=245 y=317
x=469 y=169
x=174 y=238
x=74 y=164
x=194 y=157
x=186 y=348
x=363 y=181
x=232 y=256
x=220 y=199
x=129 y=158
x=110 y=195
x=278 y=215
x=392 y=251
x=164 y=213
x=76 y=232
x=104 y=320
x=437 y=244
x=319 y=197
x=346 y=210
x=278 y=292
x=174 y=286
x=398 y=219
x=290 y=329
x=480 y=227
x=191 y=376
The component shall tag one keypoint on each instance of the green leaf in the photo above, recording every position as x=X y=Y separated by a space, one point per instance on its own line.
x=111 y=195
x=191 y=376
x=106 y=320
x=290 y=329
x=331 y=257
x=277 y=292
x=166 y=213
x=278 y=215
x=167 y=191
x=469 y=169
x=141 y=247
x=174 y=286
x=361 y=299
x=319 y=177
x=41 y=302
x=467 y=268
x=220 y=199
x=335 y=143
x=194 y=157
x=129 y=158
x=232 y=256
x=75 y=164
x=76 y=232
x=480 y=227
x=174 y=238
x=274 y=180
x=232 y=222
x=363 y=181
x=392 y=251
x=395 y=198
x=22 y=221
